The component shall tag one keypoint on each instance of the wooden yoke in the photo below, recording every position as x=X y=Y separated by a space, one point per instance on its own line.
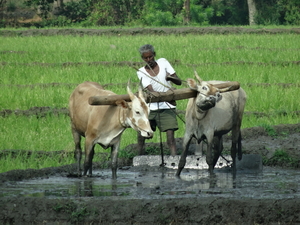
x=170 y=95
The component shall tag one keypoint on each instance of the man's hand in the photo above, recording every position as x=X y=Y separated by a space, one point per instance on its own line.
x=174 y=79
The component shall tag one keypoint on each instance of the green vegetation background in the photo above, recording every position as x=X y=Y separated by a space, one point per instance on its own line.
x=43 y=71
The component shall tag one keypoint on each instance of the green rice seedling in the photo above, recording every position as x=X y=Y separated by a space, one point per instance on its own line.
x=32 y=161
x=281 y=157
x=43 y=71
x=189 y=48
x=48 y=133
x=270 y=130
x=271 y=99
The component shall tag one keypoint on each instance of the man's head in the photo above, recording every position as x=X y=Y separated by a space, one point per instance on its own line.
x=146 y=48
x=148 y=54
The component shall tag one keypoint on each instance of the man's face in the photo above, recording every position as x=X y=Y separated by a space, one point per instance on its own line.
x=148 y=57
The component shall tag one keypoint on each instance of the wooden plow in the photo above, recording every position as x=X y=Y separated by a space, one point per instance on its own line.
x=170 y=95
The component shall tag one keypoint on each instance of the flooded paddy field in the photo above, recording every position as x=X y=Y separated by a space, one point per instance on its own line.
x=154 y=195
x=157 y=183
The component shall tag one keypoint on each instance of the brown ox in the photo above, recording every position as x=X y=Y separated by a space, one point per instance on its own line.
x=104 y=124
x=209 y=116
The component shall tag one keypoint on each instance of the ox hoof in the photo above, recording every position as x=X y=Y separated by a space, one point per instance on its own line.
x=87 y=175
x=73 y=175
x=240 y=156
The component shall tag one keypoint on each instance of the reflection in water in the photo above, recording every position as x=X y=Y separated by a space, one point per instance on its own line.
x=271 y=183
x=204 y=180
x=84 y=187
x=88 y=187
x=114 y=187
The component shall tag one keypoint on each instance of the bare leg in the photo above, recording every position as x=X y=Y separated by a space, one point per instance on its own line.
x=171 y=142
x=141 y=144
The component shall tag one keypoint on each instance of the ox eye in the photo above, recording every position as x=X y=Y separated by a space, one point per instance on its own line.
x=137 y=112
x=204 y=88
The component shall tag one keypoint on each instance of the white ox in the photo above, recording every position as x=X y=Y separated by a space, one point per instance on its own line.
x=104 y=124
x=209 y=116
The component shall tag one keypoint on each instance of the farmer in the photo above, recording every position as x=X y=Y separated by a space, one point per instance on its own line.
x=157 y=76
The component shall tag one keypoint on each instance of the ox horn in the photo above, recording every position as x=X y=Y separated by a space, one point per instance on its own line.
x=141 y=93
x=197 y=77
x=131 y=95
x=225 y=89
x=228 y=86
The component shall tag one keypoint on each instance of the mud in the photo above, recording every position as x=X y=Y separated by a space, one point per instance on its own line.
x=143 y=195
x=147 y=195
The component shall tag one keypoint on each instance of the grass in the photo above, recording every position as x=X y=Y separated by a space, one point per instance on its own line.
x=21 y=161
x=281 y=157
x=43 y=71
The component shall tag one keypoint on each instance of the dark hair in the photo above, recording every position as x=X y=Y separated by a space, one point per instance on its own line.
x=146 y=48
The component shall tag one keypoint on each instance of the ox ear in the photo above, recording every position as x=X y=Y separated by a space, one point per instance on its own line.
x=197 y=77
x=192 y=84
x=122 y=103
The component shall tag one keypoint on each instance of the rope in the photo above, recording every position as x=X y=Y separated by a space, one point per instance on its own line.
x=151 y=77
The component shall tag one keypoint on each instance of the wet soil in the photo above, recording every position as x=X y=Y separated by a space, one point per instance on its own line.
x=155 y=196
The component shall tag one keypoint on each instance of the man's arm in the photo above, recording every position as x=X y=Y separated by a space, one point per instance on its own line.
x=174 y=79
x=150 y=88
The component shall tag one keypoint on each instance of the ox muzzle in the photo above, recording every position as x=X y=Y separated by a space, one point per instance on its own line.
x=208 y=103
x=146 y=134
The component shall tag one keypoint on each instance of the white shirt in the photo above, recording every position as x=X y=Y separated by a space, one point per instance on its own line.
x=157 y=81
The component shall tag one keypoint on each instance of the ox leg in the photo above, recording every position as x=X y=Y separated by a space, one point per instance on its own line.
x=217 y=148
x=182 y=161
x=209 y=153
x=89 y=154
x=236 y=142
x=240 y=153
x=233 y=155
x=78 y=150
x=209 y=157
x=114 y=159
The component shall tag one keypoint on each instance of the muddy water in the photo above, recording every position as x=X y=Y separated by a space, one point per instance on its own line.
x=154 y=183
